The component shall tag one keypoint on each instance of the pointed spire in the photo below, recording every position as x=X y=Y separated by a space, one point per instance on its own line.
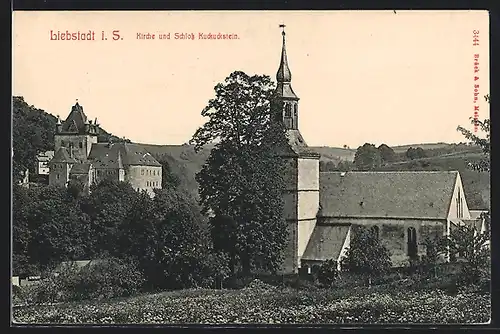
x=283 y=74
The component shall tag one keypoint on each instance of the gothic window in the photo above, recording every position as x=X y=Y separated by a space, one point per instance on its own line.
x=288 y=110
x=57 y=176
x=412 y=242
x=459 y=205
x=142 y=171
x=376 y=231
x=80 y=144
x=295 y=109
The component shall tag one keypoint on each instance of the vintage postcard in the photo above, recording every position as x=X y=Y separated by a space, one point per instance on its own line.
x=251 y=167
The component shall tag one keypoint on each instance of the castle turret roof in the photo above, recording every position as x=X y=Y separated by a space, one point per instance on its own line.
x=76 y=121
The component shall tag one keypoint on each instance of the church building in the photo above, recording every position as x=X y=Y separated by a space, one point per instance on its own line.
x=323 y=209
x=78 y=156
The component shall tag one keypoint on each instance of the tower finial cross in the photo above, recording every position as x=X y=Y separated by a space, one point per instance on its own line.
x=282 y=26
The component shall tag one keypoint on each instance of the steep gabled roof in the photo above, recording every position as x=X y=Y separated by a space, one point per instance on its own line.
x=117 y=155
x=422 y=194
x=80 y=168
x=296 y=146
x=326 y=242
x=75 y=122
x=62 y=155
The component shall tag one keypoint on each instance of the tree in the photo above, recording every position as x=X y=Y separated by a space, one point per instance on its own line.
x=366 y=255
x=243 y=176
x=415 y=153
x=434 y=249
x=169 y=179
x=32 y=133
x=22 y=234
x=327 y=166
x=327 y=272
x=224 y=233
x=367 y=157
x=58 y=232
x=168 y=237
x=182 y=243
x=387 y=154
x=470 y=245
x=481 y=141
x=107 y=206
x=345 y=166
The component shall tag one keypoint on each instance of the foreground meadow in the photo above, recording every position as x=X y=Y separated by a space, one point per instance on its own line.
x=270 y=305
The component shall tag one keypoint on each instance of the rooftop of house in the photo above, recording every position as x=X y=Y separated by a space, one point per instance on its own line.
x=415 y=194
x=326 y=242
x=80 y=168
x=117 y=155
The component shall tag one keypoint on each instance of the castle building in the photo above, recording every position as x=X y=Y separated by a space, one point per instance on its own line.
x=323 y=209
x=78 y=156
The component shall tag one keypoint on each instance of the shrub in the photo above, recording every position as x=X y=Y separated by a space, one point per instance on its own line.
x=108 y=278
x=327 y=272
x=366 y=254
x=105 y=278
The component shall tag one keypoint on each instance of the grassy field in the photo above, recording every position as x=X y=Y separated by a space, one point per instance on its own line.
x=271 y=305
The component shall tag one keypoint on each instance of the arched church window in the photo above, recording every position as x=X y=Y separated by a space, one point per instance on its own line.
x=412 y=242
x=288 y=110
x=80 y=144
x=376 y=231
x=295 y=109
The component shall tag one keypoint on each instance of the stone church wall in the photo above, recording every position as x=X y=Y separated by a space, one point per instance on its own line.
x=393 y=233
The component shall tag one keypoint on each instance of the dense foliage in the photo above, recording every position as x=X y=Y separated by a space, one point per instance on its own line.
x=167 y=234
x=366 y=254
x=243 y=178
x=367 y=157
x=101 y=279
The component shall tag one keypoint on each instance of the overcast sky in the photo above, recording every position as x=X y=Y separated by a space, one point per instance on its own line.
x=362 y=76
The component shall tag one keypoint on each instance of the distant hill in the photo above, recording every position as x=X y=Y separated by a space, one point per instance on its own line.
x=185 y=163
x=477 y=185
x=427 y=146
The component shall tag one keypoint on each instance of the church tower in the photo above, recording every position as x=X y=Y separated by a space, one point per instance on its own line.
x=301 y=195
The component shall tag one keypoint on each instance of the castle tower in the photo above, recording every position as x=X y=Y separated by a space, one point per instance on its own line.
x=302 y=189
x=60 y=167
x=76 y=133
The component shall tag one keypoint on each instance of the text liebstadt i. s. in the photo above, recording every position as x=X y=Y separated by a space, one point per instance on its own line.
x=87 y=35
